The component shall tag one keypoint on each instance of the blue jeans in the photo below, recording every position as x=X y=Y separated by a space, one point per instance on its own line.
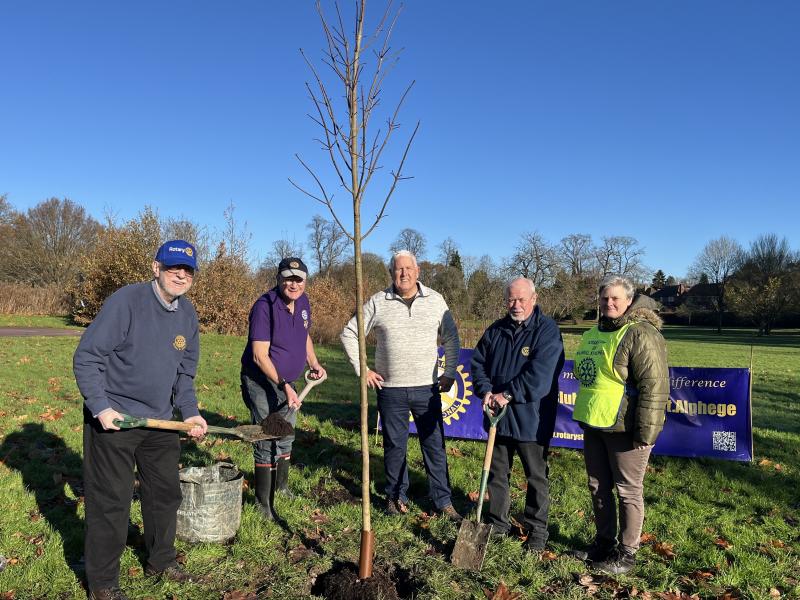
x=425 y=405
x=263 y=398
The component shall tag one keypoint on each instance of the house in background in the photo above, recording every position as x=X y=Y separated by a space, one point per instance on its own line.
x=671 y=296
x=703 y=295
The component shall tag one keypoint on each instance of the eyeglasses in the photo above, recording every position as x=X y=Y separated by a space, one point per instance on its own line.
x=186 y=270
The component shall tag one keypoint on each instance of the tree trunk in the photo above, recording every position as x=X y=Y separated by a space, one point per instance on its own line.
x=365 y=555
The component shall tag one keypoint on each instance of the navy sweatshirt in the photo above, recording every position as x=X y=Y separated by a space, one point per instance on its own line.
x=138 y=357
x=525 y=361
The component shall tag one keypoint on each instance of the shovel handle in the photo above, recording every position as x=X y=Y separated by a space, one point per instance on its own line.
x=127 y=422
x=487 y=458
x=310 y=383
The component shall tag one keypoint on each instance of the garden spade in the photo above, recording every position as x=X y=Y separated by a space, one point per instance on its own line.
x=248 y=433
x=473 y=537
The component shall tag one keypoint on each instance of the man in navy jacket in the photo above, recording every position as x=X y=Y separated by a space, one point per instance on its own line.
x=517 y=363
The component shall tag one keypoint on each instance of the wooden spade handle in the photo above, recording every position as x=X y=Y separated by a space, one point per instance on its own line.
x=310 y=383
x=172 y=425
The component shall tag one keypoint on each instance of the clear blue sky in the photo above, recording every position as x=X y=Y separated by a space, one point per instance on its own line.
x=670 y=121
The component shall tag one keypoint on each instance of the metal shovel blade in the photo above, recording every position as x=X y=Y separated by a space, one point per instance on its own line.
x=248 y=433
x=471 y=543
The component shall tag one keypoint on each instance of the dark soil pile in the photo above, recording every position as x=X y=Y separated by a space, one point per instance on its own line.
x=276 y=425
x=341 y=582
x=329 y=493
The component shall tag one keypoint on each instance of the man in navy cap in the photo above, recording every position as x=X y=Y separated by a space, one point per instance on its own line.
x=278 y=347
x=138 y=357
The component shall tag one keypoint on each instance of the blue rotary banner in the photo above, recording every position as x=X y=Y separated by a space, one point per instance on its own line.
x=709 y=412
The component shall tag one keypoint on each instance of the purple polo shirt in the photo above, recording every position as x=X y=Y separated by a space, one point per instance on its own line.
x=271 y=321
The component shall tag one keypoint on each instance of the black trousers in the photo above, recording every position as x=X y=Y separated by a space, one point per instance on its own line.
x=537 y=499
x=109 y=458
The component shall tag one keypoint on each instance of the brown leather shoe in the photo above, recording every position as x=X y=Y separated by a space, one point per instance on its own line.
x=173 y=572
x=396 y=507
x=113 y=593
x=450 y=513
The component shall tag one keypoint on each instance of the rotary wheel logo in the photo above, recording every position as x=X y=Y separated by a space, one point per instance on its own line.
x=188 y=251
x=456 y=400
x=586 y=371
x=179 y=342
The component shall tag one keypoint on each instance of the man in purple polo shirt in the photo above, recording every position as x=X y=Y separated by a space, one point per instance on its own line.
x=278 y=347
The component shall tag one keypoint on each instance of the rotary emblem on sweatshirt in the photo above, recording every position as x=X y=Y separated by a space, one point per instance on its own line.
x=179 y=343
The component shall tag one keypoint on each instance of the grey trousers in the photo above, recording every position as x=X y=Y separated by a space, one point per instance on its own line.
x=263 y=398
x=613 y=463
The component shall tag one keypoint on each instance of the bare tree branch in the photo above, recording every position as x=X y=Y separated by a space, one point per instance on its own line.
x=396 y=177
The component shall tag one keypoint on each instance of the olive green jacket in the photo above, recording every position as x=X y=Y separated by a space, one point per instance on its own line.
x=641 y=360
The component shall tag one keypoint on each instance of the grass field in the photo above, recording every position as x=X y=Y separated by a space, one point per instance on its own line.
x=715 y=529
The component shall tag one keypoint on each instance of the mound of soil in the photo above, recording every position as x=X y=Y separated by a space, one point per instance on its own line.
x=341 y=582
x=276 y=425
x=329 y=493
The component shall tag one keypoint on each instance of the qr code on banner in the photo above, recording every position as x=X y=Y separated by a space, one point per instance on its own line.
x=724 y=440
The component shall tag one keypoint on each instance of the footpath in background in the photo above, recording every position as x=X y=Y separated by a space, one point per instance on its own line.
x=709 y=412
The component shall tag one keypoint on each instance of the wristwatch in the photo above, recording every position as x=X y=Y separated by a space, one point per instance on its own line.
x=282 y=384
x=507 y=395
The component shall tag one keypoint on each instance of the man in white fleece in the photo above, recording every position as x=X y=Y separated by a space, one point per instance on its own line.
x=408 y=318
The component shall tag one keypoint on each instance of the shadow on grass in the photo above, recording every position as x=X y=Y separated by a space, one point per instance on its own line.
x=776 y=410
x=48 y=466
x=773 y=484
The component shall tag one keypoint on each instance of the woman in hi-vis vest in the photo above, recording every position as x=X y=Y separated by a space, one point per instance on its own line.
x=621 y=364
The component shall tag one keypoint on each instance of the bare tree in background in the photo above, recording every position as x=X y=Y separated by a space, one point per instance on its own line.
x=719 y=260
x=448 y=249
x=533 y=258
x=355 y=151
x=327 y=242
x=7 y=212
x=411 y=240
x=48 y=241
x=619 y=254
x=575 y=253
x=285 y=248
x=235 y=236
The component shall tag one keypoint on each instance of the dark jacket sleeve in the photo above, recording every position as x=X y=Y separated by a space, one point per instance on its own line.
x=448 y=331
x=535 y=380
x=106 y=332
x=648 y=369
x=185 y=399
x=481 y=382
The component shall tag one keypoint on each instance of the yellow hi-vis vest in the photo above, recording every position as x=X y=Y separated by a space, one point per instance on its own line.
x=602 y=389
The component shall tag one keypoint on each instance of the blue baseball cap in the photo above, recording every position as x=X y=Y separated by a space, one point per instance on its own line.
x=177 y=252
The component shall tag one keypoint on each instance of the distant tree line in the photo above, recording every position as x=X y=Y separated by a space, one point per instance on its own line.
x=57 y=244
